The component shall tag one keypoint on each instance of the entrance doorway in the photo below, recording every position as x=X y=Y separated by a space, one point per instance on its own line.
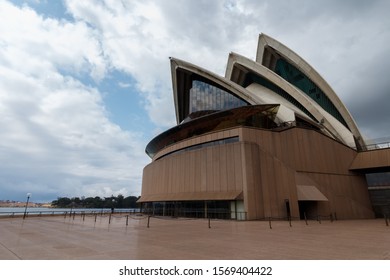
x=307 y=207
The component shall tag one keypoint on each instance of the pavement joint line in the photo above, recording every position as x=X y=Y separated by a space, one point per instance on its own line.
x=12 y=252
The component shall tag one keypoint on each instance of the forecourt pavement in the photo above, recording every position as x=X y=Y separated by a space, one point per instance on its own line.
x=121 y=237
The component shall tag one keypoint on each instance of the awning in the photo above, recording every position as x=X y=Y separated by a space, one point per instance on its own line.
x=191 y=196
x=308 y=192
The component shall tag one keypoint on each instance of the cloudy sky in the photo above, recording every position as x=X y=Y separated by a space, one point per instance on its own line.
x=85 y=85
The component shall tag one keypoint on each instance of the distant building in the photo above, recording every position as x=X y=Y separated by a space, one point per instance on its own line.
x=270 y=139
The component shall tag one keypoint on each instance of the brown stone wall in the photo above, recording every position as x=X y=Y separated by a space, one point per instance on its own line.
x=323 y=160
x=263 y=165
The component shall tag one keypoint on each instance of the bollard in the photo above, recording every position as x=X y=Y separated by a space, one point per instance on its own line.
x=269 y=221
x=387 y=221
x=304 y=214
x=83 y=216
x=109 y=219
x=209 y=223
x=127 y=220
x=95 y=217
x=289 y=220
x=148 y=220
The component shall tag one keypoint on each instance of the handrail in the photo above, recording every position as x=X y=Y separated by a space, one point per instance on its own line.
x=141 y=216
x=378 y=146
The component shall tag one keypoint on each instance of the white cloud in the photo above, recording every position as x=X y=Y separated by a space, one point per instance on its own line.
x=138 y=37
x=37 y=46
x=60 y=130
x=56 y=137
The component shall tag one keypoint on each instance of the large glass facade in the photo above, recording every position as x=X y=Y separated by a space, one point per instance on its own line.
x=207 y=97
x=253 y=78
x=294 y=76
x=214 y=209
x=379 y=189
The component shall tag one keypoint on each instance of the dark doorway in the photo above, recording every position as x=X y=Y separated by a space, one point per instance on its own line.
x=309 y=208
x=287 y=203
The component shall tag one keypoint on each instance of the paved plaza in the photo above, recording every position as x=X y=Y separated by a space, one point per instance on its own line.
x=120 y=238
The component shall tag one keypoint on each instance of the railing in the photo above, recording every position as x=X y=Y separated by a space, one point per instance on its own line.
x=319 y=218
x=378 y=146
x=137 y=215
x=378 y=143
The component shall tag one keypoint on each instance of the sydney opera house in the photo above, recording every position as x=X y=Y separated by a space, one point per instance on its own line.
x=270 y=139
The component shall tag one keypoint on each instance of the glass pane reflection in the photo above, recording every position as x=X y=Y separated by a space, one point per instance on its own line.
x=204 y=97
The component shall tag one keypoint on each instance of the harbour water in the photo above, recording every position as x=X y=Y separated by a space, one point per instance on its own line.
x=14 y=211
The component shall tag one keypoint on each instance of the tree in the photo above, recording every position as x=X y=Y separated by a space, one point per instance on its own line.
x=96 y=202
x=62 y=202
x=119 y=201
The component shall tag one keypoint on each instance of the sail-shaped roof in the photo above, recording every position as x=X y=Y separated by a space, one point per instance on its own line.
x=278 y=76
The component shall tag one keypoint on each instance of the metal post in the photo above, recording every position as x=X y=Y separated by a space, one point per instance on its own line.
x=127 y=220
x=71 y=208
x=25 y=209
x=269 y=221
x=289 y=219
x=209 y=223
x=109 y=219
x=148 y=220
x=95 y=217
x=387 y=221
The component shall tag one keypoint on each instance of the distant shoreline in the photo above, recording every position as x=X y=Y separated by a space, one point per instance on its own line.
x=17 y=204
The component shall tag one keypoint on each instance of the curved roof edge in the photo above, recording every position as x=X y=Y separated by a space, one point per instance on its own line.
x=216 y=121
x=239 y=61
x=267 y=41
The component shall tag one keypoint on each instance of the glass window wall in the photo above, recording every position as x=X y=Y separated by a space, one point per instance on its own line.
x=207 y=97
x=294 y=76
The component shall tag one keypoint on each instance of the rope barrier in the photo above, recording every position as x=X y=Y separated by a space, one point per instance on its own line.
x=289 y=219
x=141 y=216
x=176 y=219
